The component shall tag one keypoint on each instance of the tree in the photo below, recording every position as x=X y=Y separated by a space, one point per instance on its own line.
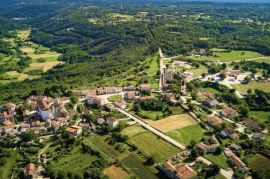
x=73 y=99
x=28 y=136
x=224 y=66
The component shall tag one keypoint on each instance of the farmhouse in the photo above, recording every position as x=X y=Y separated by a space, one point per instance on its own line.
x=213 y=121
x=227 y=112
x=130 y=95
x=170 y=98
x=234 y=160
x=182 y=171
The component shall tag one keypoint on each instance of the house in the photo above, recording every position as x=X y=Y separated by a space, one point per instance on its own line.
x=252 y=123
x=170 y=98
x=121 y=104
x=130 y=88
x=95 y=100
x=231 y=133
x=206 y=148
x=30 y=171
x=109 y=106
x=10 y=107
x=182 y=171
x=74 y=130
x=43 y=110
x=108 y=90
x=55 y=125
x=100 y=121
x=146 y=98
x=213 y=121
x=258 y=136
x=6 y=129
x=209 y=99
x=234 y=73
x=130 y=95
x=112 y=121
x=145 y=87
x=227 y=112
x=234 y=160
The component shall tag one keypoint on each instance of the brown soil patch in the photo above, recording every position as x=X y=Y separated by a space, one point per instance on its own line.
x=115 y=172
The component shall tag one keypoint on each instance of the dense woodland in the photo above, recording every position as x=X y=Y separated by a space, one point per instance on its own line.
x=97 y=46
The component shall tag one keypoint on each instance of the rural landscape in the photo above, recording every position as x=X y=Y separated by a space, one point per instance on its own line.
x=126 y=89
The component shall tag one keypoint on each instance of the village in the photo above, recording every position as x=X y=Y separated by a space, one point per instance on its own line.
x=44 y=116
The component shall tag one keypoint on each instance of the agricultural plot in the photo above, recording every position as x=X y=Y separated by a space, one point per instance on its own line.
x=115 y=172
x=151 y=114
x=257 y=162
x=75 y=161
x=242 y=88
x=152 y=145
x=135 y=165
x=186 y=134
x=228 y=56
x=152 y=72
x=133 y=130
x=262 y=116
x=172 y=122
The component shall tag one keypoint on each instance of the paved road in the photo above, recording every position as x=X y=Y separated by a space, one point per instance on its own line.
x=155 y=131
x=161 y=66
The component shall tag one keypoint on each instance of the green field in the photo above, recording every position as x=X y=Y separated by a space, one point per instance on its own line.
x=261 y=116
x=133 y=130
x=265 y=60
x=242 y=88
x=233 y=55
x=115 y=98
x=176 y=110
x=75 y=161
x=135 y=165
x=199 y=71
x=257 y=162
x=152 y=145
x=186 y=134
x=151 y=114
x=152 y=71
x=219 y=160
x=6 y=169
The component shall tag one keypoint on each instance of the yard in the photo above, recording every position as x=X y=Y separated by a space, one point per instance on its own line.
x=152 y=145
x=242 y=88
x=172 y=122
x=187 y=134
x=151 y=114
x=219 y=160
x=115 y=98
x=261 y=116
x=257 y=162
x=136 y=165
x=227 y=56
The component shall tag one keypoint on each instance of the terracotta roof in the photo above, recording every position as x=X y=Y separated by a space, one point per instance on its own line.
x=30 y=169
x=228 y=110
x=185 y=172
x=213 y=120
x=131 y=94
x=43 y=105
x=100 y=120
x=146 y=98
x=111 y=120
x=253 y=123
x=237 y=161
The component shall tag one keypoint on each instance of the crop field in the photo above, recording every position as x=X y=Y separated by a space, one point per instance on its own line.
x=257 y=162
x=172 y=122
x=133 y=130
x=242 y=88
x=75 y=161
x=152 y=145
x=115 y=172
x=135 y=165
x=186 y=134
x=44 y=66
x=151 y=114
x=227 y=56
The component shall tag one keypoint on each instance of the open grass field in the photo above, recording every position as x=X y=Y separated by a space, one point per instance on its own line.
x=45 y=66
x=76 y=161
x=186 y=134
x=209 y=90
x=152 y=71
x=198 y=71
x=172 y=122
x=176 y=110
x=23 y=34
x=219 y=160
x=260 y=60
x=136 y=165
x=261 y=116
x=242 y=88
x=133 y=130
x=115 y=172
x=152 y=145
x=225 y=56
x=258 y=162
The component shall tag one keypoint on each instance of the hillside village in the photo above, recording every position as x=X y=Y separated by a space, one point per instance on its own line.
x=228 y=133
